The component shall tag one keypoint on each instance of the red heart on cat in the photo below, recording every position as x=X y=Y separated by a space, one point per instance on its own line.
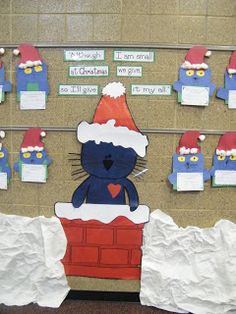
x=114 y=189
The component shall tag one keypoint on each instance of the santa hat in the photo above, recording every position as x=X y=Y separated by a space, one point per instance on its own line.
x=113 y=123
x=32 y=140
x=194 y=58
x=231 y=67
x=227 y=144
x=2 y=135
x=188 y=143
x=29 y=56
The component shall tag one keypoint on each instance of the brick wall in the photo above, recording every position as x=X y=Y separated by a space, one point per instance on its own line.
x=101 y=250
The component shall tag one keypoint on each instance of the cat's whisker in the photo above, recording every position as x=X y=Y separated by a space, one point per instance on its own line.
x=139 y=167
x=77 y=172
x=74 y=159
x=80 y=177
x=78 y=154
x=141 y=173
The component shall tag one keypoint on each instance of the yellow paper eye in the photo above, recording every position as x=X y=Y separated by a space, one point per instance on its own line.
x=189 y=72
x=200 y=72
x=38 y=68
x=230 y=75
x=39 y=155
x=194 y=158
x=26 y=155
x=1 y=154
x=28 y=71
x=221 y=157
x=232 y=157
x=181 y=158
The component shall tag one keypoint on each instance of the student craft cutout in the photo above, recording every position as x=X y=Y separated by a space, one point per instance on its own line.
x=5 y=170
x=5 y=86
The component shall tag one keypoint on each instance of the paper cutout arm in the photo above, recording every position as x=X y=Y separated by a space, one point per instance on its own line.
x=206 y=175
x=17 y=166
x=7 y=169
x=80 y=193
x=6 y=85
x=177 y=86
x=173 y=177
x=222 y=93
x=212 y=88
x=132 y=194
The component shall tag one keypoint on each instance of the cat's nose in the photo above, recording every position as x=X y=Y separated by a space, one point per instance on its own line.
x=107 y=164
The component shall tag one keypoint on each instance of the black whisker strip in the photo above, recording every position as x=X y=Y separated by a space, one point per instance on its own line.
x=77 y=172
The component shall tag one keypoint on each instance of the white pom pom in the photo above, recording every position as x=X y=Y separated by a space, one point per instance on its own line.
x=43 y=133
x=202 y=137
x=16 y=52
x=2 y=134
x=114 y=89
x=208 y=53
x=2 y=50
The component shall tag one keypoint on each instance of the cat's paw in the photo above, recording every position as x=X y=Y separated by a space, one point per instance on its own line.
x=133 y=208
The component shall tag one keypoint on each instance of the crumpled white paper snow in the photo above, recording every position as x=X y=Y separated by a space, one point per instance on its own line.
x=189 y=269
x=30 y=266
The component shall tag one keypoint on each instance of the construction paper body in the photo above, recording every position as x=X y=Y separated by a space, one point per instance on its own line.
x=112 y=146
x=33 y=160
x=223 y=171
x=5 y=170
x=31 y=250
x=5 y=86
x=31 y=76
x=188 y=164
x=189 y=270
x=194 y=85
x=228 y=92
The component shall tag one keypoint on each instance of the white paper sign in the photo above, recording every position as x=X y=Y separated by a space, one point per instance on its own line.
x=34 y=173
x=3 y=181
x=190 y=181
x=195 y=96
x=129 y=71
x=30 y=100
x=78 y=90
x=0 y=93
x=151 y=90
x=84 y=55
x=232 y=99
x=225 y=177
x=133 y=56
x=88 y=70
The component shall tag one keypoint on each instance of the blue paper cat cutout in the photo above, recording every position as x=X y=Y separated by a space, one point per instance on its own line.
x=188 y=158
x=194 y=72
x=111 y=147
x=6 y=85
x=4 y=164
x=224 y=161
x=32 y=151
x=229 y=80
x=31 y=71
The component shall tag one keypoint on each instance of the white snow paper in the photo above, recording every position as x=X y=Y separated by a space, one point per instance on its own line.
x=30 y=254
x=195 y=96
x=189 y=269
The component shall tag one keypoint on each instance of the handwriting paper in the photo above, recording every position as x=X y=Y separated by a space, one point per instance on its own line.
x=3 y=181
x=0 y=93
x=30 y=100
x=34 y=173
x=195 y=96
x=232 y=99
x=190 y=181
x=225 y=177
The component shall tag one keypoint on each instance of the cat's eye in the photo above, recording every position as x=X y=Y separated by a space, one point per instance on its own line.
x=38 y=68
x=194 y=158
x=28 y=71
x=200 y=73
x=26 y=155
x=232 y=157
x=181 y=158
x=1 y=154
x=221 y=157
x=39 y=155
x=230 y=75
x=189 y=72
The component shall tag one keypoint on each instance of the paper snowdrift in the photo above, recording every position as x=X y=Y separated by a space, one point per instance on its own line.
x=228 y=92
x=188 y=172
x=223 y=170
x=30 y=254
x=189 y=269
x=194 y=85
x=104 y=241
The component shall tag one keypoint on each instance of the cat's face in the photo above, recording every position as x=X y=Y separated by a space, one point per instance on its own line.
x=34 y=158
x=3 y=156
x=188 y=163
x=34 y=73
x=105 y=160
x=195 y=77
x=224 y=162
x=230 y=80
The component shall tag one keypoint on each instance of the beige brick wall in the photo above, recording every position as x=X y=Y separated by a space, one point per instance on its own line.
x=205 y=22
